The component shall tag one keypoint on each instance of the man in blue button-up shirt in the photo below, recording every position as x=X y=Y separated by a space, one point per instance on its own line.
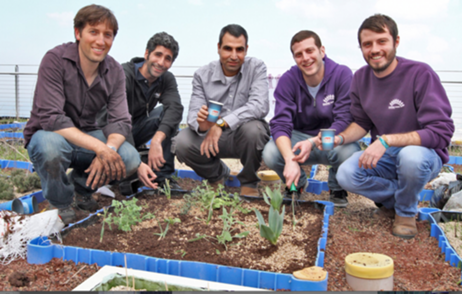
x=240 y=84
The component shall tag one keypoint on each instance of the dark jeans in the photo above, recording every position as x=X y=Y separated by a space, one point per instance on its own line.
x=52 y=155
x=144 y=129
x=246 y=143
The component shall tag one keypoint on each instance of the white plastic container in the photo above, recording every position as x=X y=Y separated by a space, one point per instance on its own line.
x=369 y=271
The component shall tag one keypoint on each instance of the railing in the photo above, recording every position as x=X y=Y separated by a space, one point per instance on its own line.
x=17 y=85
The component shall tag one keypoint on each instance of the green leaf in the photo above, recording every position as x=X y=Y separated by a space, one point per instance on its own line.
x=241 y=235
x=268 y=234
x=261 y=221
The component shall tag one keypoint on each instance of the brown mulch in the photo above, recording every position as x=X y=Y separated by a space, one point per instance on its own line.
x=419 y=265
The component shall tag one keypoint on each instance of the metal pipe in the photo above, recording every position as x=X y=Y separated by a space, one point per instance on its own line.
x=16 y=91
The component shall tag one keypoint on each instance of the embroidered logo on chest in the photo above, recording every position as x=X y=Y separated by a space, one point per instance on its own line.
x=396 y=103
x=328 y=100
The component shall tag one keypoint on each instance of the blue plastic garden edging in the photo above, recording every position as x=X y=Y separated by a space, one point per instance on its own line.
x=16 y=164
x=40 y=250
x=11 y=135
x=13 y=126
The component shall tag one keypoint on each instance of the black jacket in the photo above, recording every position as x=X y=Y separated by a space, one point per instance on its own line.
x=169 y=97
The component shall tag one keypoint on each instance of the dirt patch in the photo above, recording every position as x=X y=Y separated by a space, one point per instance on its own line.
x=296 y=247
x=419 y=265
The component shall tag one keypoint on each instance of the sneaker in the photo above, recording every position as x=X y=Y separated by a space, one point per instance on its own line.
x=288 y=195
x=67 y=215
x=339 y=198
x=248 y=191
x=174 y=186
x=86 y=202
x=223 y=180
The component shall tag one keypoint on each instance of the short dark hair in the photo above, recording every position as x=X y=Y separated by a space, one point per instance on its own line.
x=377 y=23
x=94 y=14
x=303 y=35
x=235 y=30
x=163 y=39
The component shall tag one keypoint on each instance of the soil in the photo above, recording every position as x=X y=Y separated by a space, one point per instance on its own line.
x=418 y=263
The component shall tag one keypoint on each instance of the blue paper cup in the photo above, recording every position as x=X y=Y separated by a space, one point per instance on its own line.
x=13 y=205
x=327 y=139
x=214 y=111
x=29 y=204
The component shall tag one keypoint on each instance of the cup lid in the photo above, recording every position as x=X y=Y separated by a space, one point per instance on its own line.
x=216 y=102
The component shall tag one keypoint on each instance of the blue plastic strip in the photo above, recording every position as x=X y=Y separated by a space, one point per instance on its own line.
x=13 y=126
x=11 y=135
x=17 y=164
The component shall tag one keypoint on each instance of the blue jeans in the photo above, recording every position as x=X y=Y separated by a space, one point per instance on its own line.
x=144 y=128
x=52 y=155
x=396 y=181
x=274 y=160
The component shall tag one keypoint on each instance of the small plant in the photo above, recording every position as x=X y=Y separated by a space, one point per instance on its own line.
x=169 y=221
x=126 y=214
x=166 y=189
x=226 y=234
x=25 y=181
x=275 y=219
x=6 y=190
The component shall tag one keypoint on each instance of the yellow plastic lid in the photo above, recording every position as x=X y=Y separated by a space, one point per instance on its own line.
x=369 y=265
x=313 y=273
x=268 y=175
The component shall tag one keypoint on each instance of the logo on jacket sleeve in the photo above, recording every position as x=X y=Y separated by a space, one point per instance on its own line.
x=328 y=100
x=396 y=103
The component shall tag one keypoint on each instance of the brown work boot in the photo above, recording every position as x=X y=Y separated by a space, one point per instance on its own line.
x=247 y=191
x=383 y=212
x=404 y=227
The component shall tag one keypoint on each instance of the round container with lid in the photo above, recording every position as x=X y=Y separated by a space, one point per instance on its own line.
x=369 y=271
x=269 y=176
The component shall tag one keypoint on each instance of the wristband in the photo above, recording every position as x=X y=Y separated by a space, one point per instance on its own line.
x=341 y=140
x=312 y=143
x=385 y=139
x=112 y=147
x=383 y=142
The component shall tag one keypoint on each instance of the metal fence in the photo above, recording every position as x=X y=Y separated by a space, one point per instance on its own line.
x=17 y=86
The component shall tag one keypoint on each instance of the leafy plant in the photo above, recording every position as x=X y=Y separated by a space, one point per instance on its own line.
x=226 y=234
x=166 y=189
x=169 y=221
x=126 y=214
x=273 y=230
x=6 y=190
x=25 y=181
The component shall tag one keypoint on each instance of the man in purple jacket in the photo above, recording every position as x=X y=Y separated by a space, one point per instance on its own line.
x=75 y=80
x=312 y=95
x=404 y=106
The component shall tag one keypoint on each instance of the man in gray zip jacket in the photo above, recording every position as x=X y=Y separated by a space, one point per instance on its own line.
x=241 y=84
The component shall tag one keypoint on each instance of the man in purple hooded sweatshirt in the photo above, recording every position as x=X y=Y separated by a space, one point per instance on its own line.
x=312 y=95
x=404 y=106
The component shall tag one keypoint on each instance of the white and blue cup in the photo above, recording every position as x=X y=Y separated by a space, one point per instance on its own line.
x=13 y=205
x=29 y=204
x=327 y=139
x=214 y=111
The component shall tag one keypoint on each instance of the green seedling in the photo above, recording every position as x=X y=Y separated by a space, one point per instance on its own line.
x=166 y=189
x=183 y=253
x=226 y=234
x=169 y=221
x=273 y=230
x=102 y=224
x=126 y=214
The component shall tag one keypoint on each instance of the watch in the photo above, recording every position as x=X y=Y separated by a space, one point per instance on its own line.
x=221 y=123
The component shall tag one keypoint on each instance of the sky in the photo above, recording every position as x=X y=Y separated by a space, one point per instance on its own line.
x=428 y=28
